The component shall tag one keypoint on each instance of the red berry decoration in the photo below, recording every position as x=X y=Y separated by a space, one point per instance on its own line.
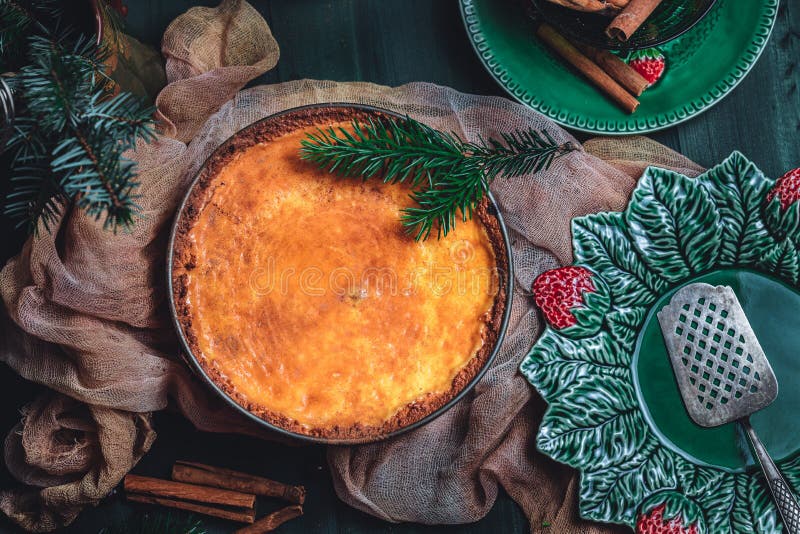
x=558 y=291
x=654 y=523
x=573 y=299
x=650 y=63
x=669 y=512
x=787 y=189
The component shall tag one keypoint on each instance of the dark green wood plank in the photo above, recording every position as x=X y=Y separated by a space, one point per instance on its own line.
x=147 y=19
x=389 y=43
x=761 y=118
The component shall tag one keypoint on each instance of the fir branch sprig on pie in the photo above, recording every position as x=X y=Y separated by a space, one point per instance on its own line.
x=450 y=176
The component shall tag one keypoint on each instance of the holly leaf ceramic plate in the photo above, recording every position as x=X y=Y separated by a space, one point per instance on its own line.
x=702 y=66
x=615 y=412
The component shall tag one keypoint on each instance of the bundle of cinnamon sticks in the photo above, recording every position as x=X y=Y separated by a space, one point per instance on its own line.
x=218 y=492
x=628 y=15
x=620 y=82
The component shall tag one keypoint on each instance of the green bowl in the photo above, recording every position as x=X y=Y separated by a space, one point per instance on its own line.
x=703 y=66
x=671 y=19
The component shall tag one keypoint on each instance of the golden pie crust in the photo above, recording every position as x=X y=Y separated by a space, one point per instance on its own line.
x=301 y=296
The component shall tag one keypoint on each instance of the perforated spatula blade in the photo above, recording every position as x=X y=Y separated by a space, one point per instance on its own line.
x=722 y=372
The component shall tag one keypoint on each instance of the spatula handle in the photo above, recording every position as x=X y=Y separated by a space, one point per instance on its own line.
x=781 y=493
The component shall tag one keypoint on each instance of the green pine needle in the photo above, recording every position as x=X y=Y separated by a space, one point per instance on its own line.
x=35 y=191
x=449 y=176
x=17 y=17
x=157 y=523
x=70 y=133
x=452 y=194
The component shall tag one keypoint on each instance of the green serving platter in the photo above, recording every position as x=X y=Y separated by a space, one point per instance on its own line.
x=614 y=409
x=703 y=66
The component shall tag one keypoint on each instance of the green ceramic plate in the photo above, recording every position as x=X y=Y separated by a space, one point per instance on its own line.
x=703 y=66
x=614 y=411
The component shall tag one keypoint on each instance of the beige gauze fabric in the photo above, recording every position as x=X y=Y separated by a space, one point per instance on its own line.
x=85 y=310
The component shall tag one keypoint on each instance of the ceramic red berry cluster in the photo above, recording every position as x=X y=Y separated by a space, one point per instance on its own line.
x=573 y=299
x=650 y=63
x=558 y=291
x=655 y=523
x=787 y=189
x=669 y=512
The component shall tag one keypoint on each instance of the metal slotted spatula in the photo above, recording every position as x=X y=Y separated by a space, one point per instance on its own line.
x=722 y=372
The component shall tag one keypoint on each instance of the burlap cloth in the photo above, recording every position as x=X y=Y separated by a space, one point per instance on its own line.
x=85 y=311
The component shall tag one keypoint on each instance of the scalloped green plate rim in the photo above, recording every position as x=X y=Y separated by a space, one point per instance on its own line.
x=698 y=75
x=614 y=411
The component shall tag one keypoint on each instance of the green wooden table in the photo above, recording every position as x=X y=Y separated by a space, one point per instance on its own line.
x=393 y=42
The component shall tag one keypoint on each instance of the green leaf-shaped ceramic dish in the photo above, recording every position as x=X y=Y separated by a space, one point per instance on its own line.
x=615 y=412
x=703 y=66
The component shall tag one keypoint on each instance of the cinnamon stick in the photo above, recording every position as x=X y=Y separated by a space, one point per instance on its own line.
x=604 y=7
x=587 y=67
x=219 y=477
x=154 y=487
x=623 y=73
x=240 y=515
x=628 y=21
x=270 y=522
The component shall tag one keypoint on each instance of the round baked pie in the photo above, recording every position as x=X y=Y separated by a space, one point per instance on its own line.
x=301 y=296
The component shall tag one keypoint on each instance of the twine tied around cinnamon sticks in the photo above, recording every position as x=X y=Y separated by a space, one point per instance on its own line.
x=218 y=492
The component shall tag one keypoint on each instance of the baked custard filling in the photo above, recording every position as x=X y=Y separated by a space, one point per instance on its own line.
x=307 y=299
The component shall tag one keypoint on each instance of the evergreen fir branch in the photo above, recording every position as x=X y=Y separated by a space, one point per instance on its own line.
x=452 y=195
x=157 y=523
x=23 y=141
x=16 y=19
x=94 y=173
x=122 y=118
x=14 y=16
x=450 y=176
x=59 y=84
x=73 y=133
x=399 y=151
x=520 y=153
x=37 y=196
